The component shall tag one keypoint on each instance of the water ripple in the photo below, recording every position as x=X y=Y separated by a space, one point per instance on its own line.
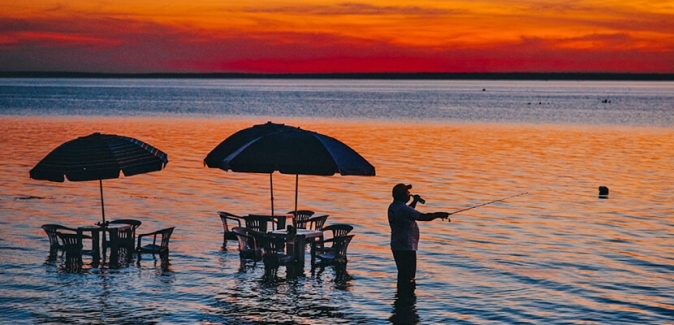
x=557 y=255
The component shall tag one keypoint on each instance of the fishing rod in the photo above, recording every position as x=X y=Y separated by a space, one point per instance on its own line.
x=490 y=202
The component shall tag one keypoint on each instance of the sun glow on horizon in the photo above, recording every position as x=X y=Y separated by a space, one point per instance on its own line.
x=328 y=36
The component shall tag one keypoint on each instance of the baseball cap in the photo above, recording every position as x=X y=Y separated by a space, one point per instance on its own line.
x=400 y=189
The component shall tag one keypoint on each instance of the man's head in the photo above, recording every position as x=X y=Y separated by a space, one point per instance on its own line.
x=401 y=192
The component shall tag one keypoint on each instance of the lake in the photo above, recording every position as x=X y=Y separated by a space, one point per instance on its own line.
x=557 y=254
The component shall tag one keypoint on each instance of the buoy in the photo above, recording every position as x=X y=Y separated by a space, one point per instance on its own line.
x=603 y=192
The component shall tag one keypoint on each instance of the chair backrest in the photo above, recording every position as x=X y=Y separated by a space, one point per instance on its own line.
x=121 y=242
x=122 y=237
x=163 y=234
x=338 y=229
x=274 y=249
x=52 y=233
x=70 y=241
x=258 y=223
x=226 y=218
x=248 y=246
x=272 y=244
x=301 y=217
x=133 y=223
x=316 y=222
x=73 y=248
x=340 y=245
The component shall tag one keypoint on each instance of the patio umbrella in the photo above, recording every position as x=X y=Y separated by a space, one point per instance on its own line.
x=98 y=157
x=270 y=147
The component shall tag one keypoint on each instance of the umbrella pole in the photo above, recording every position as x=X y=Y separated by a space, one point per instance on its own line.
x=271 y=187
x=100 y=181
x=297 y=177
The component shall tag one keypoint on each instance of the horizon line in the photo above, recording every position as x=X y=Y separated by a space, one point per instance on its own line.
x=627 y=76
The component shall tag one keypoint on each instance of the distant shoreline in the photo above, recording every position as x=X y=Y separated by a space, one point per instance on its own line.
x=386 y=76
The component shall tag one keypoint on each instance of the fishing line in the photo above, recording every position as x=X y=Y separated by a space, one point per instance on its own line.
x=490 y=202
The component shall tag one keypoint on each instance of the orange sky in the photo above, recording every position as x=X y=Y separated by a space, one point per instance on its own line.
x=337 y=36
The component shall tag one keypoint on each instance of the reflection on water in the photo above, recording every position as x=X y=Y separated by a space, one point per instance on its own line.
x=556 y=255
x=404 y=309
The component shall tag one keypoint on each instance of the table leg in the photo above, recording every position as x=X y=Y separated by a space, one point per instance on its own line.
x=95 y=248
x=312 y=252
x=79 y=242
x=314 y=242
x=300 y=248
x=114 y=249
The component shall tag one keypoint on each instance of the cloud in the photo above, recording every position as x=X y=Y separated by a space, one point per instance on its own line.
x=130 y=46
x=353 y=8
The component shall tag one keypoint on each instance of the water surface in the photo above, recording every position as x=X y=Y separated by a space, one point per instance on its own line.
x=557 y=255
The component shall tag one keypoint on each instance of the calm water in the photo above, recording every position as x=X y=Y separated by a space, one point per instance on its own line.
x=557 y=255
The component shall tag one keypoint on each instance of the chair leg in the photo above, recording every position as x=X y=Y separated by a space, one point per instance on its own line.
x=53 y=254
x=73 y=260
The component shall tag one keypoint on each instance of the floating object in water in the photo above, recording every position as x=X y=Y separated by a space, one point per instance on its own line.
x=603 y=192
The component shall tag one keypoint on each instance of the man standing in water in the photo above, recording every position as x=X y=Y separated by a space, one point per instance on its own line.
x=405 y=233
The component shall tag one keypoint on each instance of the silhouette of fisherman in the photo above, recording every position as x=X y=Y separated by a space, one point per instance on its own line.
x=402 y=219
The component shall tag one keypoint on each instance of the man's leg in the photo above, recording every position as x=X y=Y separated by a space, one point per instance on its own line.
x=406 y=262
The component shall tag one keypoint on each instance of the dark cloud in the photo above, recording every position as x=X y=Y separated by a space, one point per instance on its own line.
x=353 y=8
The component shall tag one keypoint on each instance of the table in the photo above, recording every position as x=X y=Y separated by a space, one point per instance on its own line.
x=98 y=244
x=300 y=242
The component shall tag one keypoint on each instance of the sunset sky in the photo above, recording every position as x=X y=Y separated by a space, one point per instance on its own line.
x=271 y=36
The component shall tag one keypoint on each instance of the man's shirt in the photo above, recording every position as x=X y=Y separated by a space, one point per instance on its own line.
x=404 y=230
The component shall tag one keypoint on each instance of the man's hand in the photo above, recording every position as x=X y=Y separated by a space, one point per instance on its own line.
x=443 y=215
x=418 y=198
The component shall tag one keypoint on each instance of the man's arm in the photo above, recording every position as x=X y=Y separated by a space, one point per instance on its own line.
x=433 y=216
x=416 y=198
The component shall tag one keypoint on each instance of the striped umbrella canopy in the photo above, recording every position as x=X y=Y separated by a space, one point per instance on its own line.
x=98 y=157
x=270 y=147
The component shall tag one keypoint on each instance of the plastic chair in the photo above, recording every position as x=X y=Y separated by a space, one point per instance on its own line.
x=52 y=233
x=55 y=243
x=73 y=250
x=248 y=247
x=162 y=248
x=316 y=222
x=336 y=230
x=301 y=217
x=131 y=222
x=337 y=253
x=121 y=245
x=227 y=217
x=273 y=246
